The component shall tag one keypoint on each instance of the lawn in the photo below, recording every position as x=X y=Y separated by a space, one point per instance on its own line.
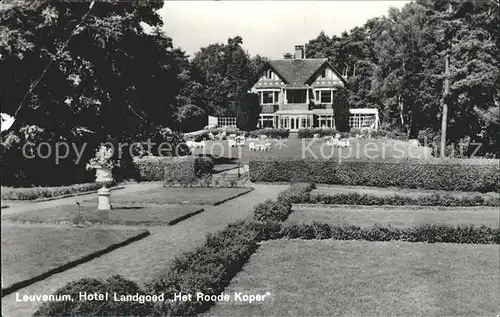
x=119 y=215
x=396 y=216
x=190 y=196
x=359 y=278
x=391 y=191
x=308 y=148
x=30 y=254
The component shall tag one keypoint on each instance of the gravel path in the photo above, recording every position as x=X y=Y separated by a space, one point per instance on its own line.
x=150 y=257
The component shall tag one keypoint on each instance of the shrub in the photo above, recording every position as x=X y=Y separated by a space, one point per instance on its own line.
x=430 y=200
x=441 y=174
x=297 y=193
x=271 y=133
x=30 y=193
x=114 y=284
x=204 y=165
x=184 y=168
x=152 y=168
x=272 y=211
x=309 y=133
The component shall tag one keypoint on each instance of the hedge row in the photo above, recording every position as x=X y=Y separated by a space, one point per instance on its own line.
x=271 y=133
x=365 y=133
x=280 y=209
x=430 y=233
x=440 y=174
x=309 y=133
x=183 y=169
x=30 y=193
x=396 y=200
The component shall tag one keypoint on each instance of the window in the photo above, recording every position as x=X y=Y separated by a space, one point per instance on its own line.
x=326 y=96
x=267 y=97
x=323 y=73
x=296 y=96
x=276 y=96
x=269 y=74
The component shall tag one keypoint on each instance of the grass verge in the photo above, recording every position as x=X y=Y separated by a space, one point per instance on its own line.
x=397 y=216
x=189 y=196
x=119 y=215
x=30 y=255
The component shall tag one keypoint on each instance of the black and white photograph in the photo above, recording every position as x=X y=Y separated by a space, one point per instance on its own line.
x=220 y=158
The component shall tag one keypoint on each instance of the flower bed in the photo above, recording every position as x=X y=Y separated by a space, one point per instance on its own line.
x=441 y=174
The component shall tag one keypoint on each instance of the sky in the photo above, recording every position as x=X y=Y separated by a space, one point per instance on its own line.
x=268 y=28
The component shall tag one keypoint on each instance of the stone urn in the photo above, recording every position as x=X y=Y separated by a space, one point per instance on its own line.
x=104 y=176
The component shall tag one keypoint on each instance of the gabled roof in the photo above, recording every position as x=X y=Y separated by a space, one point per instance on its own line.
x=297 y=71
x=294 y=72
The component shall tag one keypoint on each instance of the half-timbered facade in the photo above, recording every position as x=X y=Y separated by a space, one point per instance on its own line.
x=297 y=93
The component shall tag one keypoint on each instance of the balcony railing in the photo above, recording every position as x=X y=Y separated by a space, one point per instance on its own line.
x=269 y=108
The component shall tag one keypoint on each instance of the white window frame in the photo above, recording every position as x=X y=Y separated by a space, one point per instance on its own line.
x=261 y=93
x=318 y=91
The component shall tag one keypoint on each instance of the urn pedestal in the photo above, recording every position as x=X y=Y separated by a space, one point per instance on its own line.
x=104 y=176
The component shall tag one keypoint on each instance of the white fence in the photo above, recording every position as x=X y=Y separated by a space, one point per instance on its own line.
x=366 y=118
x=222 y=122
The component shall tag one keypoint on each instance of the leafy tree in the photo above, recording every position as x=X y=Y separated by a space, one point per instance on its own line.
x=222 y=70
x=247 y=111
x=107 y=68
x=341 y=102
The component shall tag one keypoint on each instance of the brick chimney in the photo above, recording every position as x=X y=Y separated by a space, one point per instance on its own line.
x=299 y=52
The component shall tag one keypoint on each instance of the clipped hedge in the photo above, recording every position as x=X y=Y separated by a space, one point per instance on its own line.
x=151 y=168
x=271 y=133
x=181 y=168
x=396 y=200
x=208 y=270
x=440 y=174
x=309 y=133
x=30 y=193
x=297 y=193
x=272 y=211
x=115 y=284
x=430 y=233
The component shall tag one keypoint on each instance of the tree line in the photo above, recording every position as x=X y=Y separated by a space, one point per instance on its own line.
x=396 y=63
x=107 y=75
